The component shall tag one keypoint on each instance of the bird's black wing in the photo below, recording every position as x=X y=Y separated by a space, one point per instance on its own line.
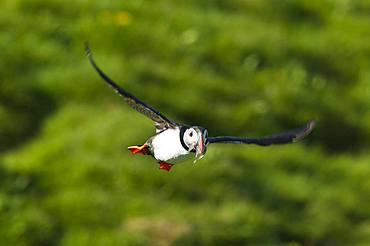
x=281 y=138
x=162 y=122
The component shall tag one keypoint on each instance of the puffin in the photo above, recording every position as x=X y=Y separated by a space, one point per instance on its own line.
x=174 y=141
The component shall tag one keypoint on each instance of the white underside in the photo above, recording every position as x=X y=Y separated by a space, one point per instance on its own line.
x=166 y=146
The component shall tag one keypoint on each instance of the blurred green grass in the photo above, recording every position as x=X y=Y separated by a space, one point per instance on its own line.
x=236 y=67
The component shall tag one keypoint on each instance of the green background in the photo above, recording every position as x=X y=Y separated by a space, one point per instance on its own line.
x=240 y=67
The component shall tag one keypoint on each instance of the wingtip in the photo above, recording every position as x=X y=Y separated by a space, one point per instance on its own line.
x=310 y=125
x=87 y=48
x=89 y=55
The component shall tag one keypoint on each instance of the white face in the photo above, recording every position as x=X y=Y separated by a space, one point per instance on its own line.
x=191 y=138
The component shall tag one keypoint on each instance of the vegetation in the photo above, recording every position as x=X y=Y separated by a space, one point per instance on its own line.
x=236 y=67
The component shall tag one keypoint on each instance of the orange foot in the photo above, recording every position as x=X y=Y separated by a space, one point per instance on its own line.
x=139 y=149
x=165 y=166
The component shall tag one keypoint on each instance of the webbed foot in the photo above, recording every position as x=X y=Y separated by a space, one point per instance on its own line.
x=139 y=149
x=165 y=166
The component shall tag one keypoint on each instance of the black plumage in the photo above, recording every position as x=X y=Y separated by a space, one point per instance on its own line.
x=162 y=122
x=280 y=138
x=165 y=125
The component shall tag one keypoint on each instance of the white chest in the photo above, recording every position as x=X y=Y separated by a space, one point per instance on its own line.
x=167 y=146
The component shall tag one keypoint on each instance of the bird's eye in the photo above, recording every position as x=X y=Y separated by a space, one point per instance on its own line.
x=191 y=134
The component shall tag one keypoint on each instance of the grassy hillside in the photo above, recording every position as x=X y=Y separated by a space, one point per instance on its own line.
x=237 y=67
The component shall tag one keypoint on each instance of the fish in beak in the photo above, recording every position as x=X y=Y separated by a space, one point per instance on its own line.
x=201 y=147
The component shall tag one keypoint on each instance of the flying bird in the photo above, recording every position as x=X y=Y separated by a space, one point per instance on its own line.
x=173 y=141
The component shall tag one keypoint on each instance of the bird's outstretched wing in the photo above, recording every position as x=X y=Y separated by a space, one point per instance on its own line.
x=281 y=138
x=162 y=122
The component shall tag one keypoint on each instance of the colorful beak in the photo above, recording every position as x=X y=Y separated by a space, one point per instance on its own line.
x=201 y=148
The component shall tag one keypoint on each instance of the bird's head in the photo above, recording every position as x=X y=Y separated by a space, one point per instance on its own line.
x=195 y=138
